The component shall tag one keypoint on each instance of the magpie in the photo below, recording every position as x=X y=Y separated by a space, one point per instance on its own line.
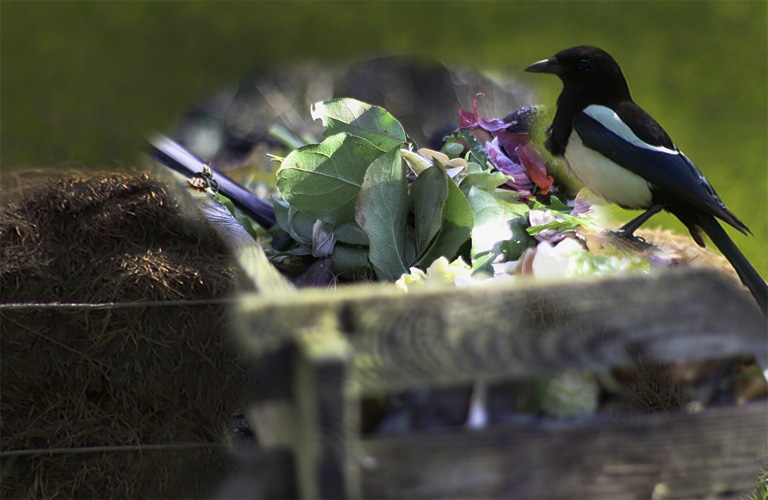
x=620 y=153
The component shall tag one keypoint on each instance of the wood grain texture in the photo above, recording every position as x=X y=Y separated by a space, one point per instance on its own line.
x=258 y=273
x=714 y=454
x=450 y=336
x=260 y=473
x=325 y=425
x=364 y=340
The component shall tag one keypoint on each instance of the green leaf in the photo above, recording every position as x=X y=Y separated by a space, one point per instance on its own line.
x=607 y=264
x=255 y=230
x=383 y=206
x=227 y=203
x=474 y=167
x=351 y=234
x=428 y=193
x=298 y=225
x=563 y=222
x=409 y=254
x=323 y=180
x=520 y=240
x=485 y=180
x=477 y=152
x=456 y=227
x=350 y=262
x=281 y=213
x=284 y=136
x=492 y=225
x=554 y=204
x=511 y=248
x=453 y=149
x=558 y=225
x=360 y=119
x=482 y=262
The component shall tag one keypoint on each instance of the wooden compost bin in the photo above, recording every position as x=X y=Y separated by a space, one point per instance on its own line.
x=321 y=351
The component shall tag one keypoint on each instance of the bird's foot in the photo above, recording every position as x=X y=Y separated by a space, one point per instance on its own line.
x=629 y=235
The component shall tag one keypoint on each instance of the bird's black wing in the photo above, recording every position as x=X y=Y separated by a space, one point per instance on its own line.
x=643 y=124
x=670 y=172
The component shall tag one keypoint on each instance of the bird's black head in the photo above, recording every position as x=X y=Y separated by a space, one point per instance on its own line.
x=586 y=70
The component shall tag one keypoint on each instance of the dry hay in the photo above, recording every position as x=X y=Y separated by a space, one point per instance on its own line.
x=79 y=378
x=691 y=254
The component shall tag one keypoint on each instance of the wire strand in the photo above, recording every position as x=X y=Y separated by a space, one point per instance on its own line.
x=114 y=305
x=102 y=449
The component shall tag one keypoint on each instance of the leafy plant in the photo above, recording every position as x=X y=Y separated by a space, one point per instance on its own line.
x=443 y=220
x=323 y=180
x=366 y=200
x=383 y=206
x=354 y=184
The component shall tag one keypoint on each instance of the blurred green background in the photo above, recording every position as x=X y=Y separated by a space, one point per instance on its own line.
x=82 y=83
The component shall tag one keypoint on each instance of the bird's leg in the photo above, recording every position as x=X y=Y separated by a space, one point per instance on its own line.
x=628 y=229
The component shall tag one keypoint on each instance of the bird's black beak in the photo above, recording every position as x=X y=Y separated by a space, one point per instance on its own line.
x=550 y=65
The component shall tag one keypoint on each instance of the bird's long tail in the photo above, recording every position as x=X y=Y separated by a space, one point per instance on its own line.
x=749 y=276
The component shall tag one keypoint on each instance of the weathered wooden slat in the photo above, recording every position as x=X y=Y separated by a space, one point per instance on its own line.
x=325 y=424
x=320 y=350
x=267 y=473
x=714 y=454
x=259 y=274
x=450 y=336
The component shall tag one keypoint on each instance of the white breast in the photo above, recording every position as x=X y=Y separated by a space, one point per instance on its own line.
x=604 y=177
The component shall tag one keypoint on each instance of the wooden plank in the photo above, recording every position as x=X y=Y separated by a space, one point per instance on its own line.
x=325 y=424
x=258 y=273
x=260 y=474
x=714 y=454
x=451 y=336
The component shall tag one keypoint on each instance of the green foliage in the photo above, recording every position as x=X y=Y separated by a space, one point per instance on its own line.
x=74 y=63
x=361 y=120
x=348 y=196
x=455 y=219
x=477 y=152
x=323 y=180
x=452 y=148
x=492 y=233
x=562 y=221
x=589 y=264
x=255 y=230
x=383 y=208
x=429 y=192
x=761 y=488
x=298 y=225
x=351 y=234
x=482 y=178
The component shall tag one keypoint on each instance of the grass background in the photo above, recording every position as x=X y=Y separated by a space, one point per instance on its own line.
x=83 y=82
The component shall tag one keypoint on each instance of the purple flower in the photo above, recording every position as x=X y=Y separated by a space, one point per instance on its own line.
x=519 y=180
x=510 y=153
x=472 y=120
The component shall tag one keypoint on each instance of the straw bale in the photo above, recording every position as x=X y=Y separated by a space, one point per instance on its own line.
x=124 y=375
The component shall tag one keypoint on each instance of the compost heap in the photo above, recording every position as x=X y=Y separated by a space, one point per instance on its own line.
x=162 y=374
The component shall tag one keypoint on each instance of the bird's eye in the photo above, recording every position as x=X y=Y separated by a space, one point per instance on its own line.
x=585 y=65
